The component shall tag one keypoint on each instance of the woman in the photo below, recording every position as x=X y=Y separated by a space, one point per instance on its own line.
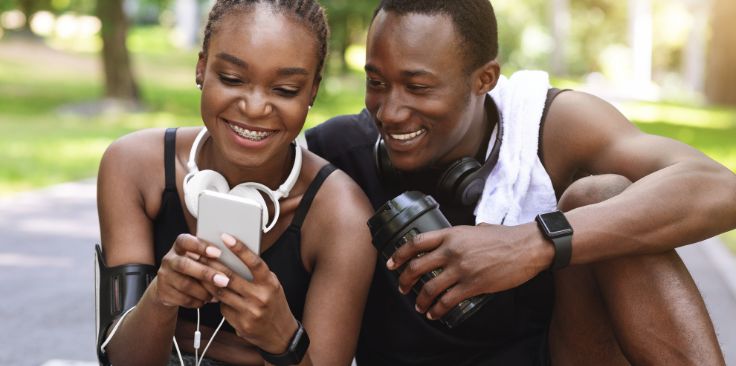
x=259 y=72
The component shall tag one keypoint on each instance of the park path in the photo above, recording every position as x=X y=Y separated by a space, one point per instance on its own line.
x=46 y=278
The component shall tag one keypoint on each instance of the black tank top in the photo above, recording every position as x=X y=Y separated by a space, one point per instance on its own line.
x=283 y=257
x=511 y=329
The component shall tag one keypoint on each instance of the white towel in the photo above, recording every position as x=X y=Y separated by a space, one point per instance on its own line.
x=518 y=188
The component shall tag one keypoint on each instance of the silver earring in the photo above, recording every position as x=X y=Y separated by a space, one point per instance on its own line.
x=309 y=107
x=199 y=86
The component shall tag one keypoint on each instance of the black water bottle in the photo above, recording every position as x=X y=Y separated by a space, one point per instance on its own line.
x=397 y=222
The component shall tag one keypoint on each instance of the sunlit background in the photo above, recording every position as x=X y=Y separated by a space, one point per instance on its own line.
x=668 y=65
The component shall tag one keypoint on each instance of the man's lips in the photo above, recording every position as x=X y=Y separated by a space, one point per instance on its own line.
x=408 y=135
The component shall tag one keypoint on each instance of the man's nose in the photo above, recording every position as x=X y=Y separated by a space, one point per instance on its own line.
x=392 y=109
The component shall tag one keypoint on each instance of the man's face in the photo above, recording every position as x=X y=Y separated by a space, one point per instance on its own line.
x=418 y=90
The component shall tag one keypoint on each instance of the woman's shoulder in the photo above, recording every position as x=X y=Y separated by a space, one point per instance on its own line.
x=144 y=147
x=339 y=200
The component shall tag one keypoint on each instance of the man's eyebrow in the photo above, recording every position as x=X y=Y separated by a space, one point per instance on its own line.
x=406 y=73
x=289 y=71
x=413 y=73
x=232 y=59
x=371 y=68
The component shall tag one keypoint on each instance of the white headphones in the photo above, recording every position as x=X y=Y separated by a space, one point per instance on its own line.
x=197 y=181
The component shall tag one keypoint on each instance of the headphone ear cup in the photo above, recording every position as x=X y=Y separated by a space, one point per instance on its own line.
x=386 y=170
x=245 y=191
x=195 y=183
x=451 y=184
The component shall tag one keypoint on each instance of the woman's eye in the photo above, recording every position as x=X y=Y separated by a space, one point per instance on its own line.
x=287 y=92
x=229 y=80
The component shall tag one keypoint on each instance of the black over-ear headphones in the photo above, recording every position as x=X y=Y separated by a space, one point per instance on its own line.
x=462 y=182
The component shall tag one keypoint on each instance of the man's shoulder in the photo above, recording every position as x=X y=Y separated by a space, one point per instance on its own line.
x=341 y=134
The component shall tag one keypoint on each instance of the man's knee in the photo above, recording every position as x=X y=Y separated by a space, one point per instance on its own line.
x=592 y=189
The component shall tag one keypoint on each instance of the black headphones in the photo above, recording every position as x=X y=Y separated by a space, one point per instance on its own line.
x=462 y=182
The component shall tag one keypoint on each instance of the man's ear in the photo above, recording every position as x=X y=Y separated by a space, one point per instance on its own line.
x=201 y=66
x=486 y=77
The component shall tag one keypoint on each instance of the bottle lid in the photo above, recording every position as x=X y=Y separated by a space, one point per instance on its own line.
x=391 y=218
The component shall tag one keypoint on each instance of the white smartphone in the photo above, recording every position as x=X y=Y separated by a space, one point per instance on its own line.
x=225 y=213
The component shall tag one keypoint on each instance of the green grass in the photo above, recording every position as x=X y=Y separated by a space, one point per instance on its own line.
x=43 y=145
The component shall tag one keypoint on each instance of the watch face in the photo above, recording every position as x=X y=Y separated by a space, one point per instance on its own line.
x=555 y=224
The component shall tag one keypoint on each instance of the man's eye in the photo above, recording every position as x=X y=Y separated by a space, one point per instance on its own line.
x=373 y=83
x=417 y=87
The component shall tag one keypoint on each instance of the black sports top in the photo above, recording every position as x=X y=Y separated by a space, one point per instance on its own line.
x=283 y=257
x=511 y=329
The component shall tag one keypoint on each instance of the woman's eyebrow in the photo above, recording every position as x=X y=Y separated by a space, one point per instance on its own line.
x=288 y=71
x=232 y=59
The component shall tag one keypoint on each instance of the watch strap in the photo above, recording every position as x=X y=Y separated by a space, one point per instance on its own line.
x=563 y=251
x=294 y=352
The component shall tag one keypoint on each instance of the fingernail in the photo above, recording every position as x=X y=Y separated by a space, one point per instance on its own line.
x=214 y=300
x=429 y=316
x=213 y=252
x=221 y=280
x=228 y=239
x=390 y=263
x=194 y=256
x=402 y=291
x=418 y=309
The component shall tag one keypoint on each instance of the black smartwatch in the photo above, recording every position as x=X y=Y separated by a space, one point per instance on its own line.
x=294 y=353
x=555 y=227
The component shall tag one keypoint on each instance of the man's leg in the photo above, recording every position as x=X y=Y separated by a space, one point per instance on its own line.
x=641 y=310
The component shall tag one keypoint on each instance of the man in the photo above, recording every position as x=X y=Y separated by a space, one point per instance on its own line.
x=625 y=296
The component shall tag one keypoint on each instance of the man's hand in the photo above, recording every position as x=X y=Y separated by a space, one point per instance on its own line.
x=474 y=260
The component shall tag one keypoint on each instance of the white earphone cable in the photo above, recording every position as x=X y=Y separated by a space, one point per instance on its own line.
x=115 y=329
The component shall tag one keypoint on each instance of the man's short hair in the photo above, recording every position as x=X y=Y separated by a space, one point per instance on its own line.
x=474 y=21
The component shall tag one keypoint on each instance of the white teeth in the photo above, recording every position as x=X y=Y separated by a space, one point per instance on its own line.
x=248 y=134
x=407 y=136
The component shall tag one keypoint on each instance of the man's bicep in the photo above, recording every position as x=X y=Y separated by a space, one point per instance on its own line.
x=639 y=154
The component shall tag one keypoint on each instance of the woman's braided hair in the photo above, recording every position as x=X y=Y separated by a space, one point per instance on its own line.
x=309 y=12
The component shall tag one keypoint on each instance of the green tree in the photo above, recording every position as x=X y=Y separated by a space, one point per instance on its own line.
x=119 y=81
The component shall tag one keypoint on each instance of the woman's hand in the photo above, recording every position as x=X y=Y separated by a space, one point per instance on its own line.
x=258 y=310
x=179 y=279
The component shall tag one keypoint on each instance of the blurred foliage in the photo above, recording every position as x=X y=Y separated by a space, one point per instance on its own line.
x=51 y=132
x=348 y=20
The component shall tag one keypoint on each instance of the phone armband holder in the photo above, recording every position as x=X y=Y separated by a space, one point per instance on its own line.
x=117 y=289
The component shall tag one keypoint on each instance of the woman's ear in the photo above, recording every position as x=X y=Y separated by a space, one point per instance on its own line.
x=487 y=77
x=200 y=69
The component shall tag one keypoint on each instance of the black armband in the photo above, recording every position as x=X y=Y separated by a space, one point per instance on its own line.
x=117 y=289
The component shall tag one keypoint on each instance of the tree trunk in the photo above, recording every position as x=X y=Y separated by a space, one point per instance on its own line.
x=119 y=81
x=29 y=8
x=721 y=76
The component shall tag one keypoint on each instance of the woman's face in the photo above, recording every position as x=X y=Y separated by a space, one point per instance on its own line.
x=258 y=79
